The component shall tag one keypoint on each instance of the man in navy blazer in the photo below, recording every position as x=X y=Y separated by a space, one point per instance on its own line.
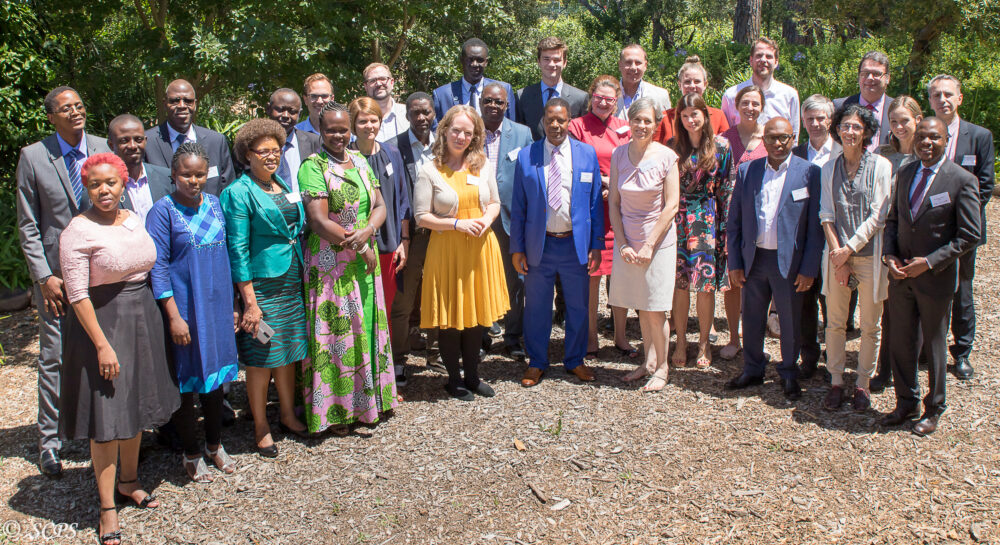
x=552 y=54
x=162 y=140
x=556 y=228
x=469 y=90
x=775 y=243
x=146 y=183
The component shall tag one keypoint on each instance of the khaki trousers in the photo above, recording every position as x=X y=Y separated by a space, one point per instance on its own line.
x=838 y=299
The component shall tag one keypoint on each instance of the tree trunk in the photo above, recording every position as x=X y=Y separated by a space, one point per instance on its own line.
x=790 y=26
x=924 y=41
x=746 y=21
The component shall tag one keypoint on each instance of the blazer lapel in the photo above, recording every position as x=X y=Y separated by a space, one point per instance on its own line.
x=542 y=182
x=456 y=93
x=963 y=142
x=505 y=135
x=903 y=197
x=786 y=189
x=267 y=208
x=941 y=177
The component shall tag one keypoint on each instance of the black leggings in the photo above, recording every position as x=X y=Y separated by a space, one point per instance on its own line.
x=465 y=344
x=185 y=420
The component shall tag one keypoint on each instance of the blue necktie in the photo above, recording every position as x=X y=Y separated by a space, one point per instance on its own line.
x=473 y=92
x=181 y=138
x=552 y=93
x=73 y=168
x=284 y=171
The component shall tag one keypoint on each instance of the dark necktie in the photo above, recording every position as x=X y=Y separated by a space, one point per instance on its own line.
x=918 y=192
x=474 y=97
x=284 y=170
x=552 y=93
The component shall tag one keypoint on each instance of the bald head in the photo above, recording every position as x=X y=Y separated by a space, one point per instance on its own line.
x=182 y=105
x=284 y=107
x=779 y=138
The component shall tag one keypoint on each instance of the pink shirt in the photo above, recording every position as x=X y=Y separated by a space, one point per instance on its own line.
x=93 y=255
x=740 y=154
x=640 y=188
x=589 y=129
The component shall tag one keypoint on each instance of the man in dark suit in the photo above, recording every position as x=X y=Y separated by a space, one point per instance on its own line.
x=971 y=147
x=146 y=183
x=49 y=193
x=933 y=219
x=475 y=58
x=873 y=78
x=775 y=243
x=284 y=107
x=504 y=139
x=556 y=228
x=414 y=146
x=162 y=140
x=531 y=100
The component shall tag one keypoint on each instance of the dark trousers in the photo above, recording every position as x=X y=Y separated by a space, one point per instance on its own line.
x=185 y=421
x=963 y=309
x=559 y=258
x=464 y=344
x=911 y=308
x=513 y=321
x=810 y=350
x=764 y=282
x=407 y=296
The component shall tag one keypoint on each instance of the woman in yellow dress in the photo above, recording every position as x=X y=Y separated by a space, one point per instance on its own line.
x=464 y=291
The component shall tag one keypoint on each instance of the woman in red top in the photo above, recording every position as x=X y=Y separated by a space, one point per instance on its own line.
x=691 y=78
x=600 y=128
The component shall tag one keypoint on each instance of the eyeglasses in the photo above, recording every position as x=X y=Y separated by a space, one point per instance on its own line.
x=174 y=101
x=851 y=127
x=865 y=74
x=604 y=99
x=319 y=96
x=383 y=80
x=493 y=102
x=778 y=138
x=265 y=153
x=70 y=107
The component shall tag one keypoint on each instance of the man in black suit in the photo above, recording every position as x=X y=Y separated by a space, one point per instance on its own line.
x=934 y=219
x=552 y=55
x=284 y=107
x=971 y=147
x=146 y=183
x=873 y=78
x=162 y=140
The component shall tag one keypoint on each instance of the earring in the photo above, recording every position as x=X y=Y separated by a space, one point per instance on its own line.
x=122 y=200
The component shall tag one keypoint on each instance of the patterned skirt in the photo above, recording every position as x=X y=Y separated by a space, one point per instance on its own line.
x=283 y=305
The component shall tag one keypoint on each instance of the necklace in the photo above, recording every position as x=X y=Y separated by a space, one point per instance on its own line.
x=266 y=186
x=346 y=159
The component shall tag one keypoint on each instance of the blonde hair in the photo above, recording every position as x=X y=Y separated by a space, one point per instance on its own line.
x=363 y=105
x=475 y=156
x=318 y=76
x=692 y=63
x=372 y=66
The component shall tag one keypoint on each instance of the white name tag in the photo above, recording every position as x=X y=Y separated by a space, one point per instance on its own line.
x=940 y=199
x=472 y=180
x=623 y=130
x=213 y=172
x=587 y=177
x=968 y=160
x=293 y=197
x=800 y=193
x=131 y=222
x=512 y=155
x=388 y=169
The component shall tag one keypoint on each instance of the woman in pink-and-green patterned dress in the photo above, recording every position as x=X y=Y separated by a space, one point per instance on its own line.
x=347 y=377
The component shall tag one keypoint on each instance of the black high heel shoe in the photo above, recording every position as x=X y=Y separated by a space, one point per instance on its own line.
x=109 y=537
x=143 y=504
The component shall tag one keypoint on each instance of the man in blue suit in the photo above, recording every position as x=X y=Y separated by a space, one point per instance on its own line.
x=556 y=228
x=775 y=243
x=475 y=58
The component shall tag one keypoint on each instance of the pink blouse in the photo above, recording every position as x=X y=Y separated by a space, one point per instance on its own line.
x=740 y=154
x=92 y=254
x=640 y=189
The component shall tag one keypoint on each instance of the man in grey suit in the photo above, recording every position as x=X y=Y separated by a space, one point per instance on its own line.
x=933 y=219
x=873 y=78
x=49 y=193
x=552 y=57
x=162 y=140
x=504 y=139
x=146 y=183
x=284 y=107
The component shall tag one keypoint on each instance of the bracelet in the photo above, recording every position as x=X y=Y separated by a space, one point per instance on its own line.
x=456 y=224
x=621 y=250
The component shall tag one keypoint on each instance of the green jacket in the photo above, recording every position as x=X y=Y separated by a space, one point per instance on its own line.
x=260 y=242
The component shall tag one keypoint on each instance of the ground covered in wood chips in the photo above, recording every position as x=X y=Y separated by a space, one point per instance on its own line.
x=563 y=462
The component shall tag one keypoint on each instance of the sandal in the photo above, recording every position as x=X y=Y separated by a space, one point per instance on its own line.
x=197 y=469
x=221 y=459
x=636 y=374
x=648 y=388
x=679 y=357
x=141 y=504
x=630 y=352
x=109 y=537
x=704 y=360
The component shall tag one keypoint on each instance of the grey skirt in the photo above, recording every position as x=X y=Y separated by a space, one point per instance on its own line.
x=145 y=393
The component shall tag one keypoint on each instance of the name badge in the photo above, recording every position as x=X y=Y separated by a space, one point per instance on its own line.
x=472 y=180
x=293 y=197
x=940 y=199
x=213 y=172
x=512 y=155
x=623 y=130
x=131 y=222
x=587 y=177
x=388 y=169
x=800 y=193
x=968 y=160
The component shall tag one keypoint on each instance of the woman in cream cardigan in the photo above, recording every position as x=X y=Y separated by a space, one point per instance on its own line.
x=464 y=290
x=853 y=206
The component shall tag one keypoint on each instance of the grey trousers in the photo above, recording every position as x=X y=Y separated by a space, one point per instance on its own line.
x=49 y=362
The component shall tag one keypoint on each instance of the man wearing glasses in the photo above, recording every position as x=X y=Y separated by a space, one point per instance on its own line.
x=378 y=86
x=162 y=141
x=318 y=90
x=475 y=57
x=775 y=243
x=873 y=78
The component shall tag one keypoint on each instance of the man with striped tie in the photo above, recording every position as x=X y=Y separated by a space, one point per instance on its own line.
x=556 y=229
x=49 y=193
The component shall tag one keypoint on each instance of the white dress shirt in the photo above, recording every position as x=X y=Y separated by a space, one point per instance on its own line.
x=393 y=123
x=492 y=146
x=421 y=154
x=645 y=89
x=770 y=198
x=780 y=100
x=191 y=136
x=559 y=221
x=293 y=158
x=952 y=138
x=139 y=193
x=821 y=156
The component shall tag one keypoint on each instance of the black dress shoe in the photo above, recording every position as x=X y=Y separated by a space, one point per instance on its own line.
x=514 y=352
x=880 y=382
x=926 y=425
x=808 y=369
x=495 y=330
x=963 y=371
x=459 y=392
x=269 y=451
x=49 y=463
x=744 y=381
x=902 y=413
x=792 y=389
x=482 y=389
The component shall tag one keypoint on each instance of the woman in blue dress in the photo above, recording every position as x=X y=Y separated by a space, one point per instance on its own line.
x=192 y=281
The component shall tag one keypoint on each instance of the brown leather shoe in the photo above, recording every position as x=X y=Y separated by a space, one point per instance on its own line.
x=926 y=426
x=531 y=377
x=582 y=372
x=900 y=414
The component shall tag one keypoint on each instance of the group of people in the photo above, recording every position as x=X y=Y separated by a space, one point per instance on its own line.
x=316 y=252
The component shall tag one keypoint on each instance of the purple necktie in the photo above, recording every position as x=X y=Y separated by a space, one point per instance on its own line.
x=918 y=192
x=554 y=185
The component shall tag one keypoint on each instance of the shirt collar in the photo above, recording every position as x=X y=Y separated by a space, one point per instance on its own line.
x=877 y=104
x=496 y=133
x=953 y=127
x=638 y=89
x=292 y=140
x=935 y=167
x=417 y=143
x=141 y=180
x=390 y=110
x=558 y=87
x=781 y=168
x=466 y=86
x=65 y=148
x=827 y=146
x=563 y=148
x=191 y=137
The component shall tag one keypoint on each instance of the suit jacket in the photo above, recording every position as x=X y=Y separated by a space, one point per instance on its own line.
x=159 y=181
x=450 y=94
x=309 y=144
x=513 y=138
x=529 y=207
x=402 y=143
x=800 y=237
x=938 y=233
x=883 y=124
x=531 y=106
x=45 y=202
x=220 y=160
x=646 y=90
x=976 y=141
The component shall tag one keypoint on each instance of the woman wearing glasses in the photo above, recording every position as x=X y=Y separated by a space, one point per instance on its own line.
x=263 y=222
x=600 y=128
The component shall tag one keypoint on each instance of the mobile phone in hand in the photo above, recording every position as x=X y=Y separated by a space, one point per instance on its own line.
x=264 y=333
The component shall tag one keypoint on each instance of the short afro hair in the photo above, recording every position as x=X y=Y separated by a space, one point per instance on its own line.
x=253 y=131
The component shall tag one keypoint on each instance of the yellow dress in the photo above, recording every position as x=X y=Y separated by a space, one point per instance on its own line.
x=463 y=284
